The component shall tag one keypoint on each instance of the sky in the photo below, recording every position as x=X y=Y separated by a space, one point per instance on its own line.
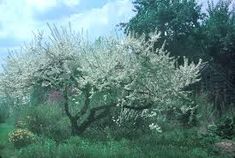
x=19 y=19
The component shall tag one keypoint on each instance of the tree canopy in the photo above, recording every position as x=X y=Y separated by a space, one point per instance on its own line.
x=219 y=30
x=96 y=76
x=186 y=29
x=177 y=20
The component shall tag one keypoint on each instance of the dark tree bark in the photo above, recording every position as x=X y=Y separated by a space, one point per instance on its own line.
x=87 y=115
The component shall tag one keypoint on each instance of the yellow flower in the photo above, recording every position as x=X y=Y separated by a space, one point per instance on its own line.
x=21 y=137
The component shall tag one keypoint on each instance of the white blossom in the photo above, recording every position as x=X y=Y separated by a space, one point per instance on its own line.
x=131 y=70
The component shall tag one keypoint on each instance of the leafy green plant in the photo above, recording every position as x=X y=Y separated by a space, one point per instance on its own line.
x=226 y=127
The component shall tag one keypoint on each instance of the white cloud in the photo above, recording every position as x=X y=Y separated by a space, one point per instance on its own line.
x=102 y=21
x=42 y=5
x=17 y=21
x=71 y=2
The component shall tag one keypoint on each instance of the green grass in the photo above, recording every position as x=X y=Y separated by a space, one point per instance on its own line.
x=176 y=143
x=146 y=147
x=5 y=128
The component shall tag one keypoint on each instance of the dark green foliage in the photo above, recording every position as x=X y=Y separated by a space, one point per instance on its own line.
x=178 y=22
x=219 y=29
x=186 y=30
x=225 y=128
x=210 y=137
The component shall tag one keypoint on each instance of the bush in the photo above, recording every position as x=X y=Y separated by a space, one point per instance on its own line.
x=46 y=120
x=226 y=127
x=21 y=137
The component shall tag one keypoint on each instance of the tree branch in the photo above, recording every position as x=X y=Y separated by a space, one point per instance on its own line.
x=66 y=103
x=148 y=106
x=85 y=108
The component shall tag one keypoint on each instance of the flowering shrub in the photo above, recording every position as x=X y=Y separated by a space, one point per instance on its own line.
x=21 y=137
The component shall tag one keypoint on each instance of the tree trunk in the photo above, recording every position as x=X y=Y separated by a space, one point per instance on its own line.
x=92 y=114
x=74 y=127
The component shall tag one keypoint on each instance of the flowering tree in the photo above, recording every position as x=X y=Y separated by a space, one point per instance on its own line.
x=124 y=73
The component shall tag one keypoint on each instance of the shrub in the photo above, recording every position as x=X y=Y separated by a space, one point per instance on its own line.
x=223 y=128
x=21 y=137
x=46 y=120
x=210 y=137
x=226 y=127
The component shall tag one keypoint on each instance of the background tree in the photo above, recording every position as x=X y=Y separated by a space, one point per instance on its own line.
x=177 y=20
x=219 y=29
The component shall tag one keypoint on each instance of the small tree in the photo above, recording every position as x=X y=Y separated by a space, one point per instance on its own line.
x=94 y=77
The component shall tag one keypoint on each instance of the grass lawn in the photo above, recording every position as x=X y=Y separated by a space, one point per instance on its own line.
x=5 y=128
